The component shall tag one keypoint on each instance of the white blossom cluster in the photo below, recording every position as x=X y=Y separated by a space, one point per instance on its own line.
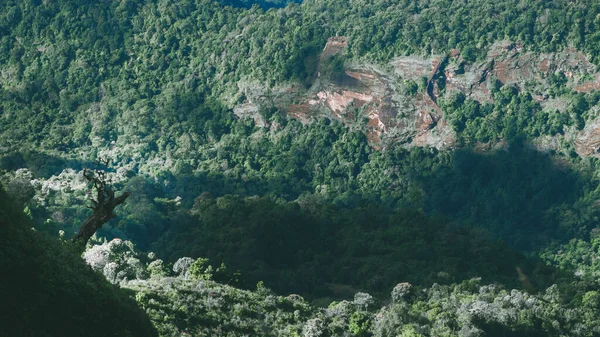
x=363 y=300
x=116 y=260
x=313 y=328
x=182 y=266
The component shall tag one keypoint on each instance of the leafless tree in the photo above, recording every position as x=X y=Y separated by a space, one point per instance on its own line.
x=103 y=204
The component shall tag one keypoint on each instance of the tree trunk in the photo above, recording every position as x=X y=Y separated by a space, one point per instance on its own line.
x=102 y=214
x=103 y=206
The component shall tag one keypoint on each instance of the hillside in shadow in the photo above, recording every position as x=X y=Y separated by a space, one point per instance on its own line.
x=522 y=196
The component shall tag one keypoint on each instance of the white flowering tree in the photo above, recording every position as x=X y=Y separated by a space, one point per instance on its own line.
x=117 y=260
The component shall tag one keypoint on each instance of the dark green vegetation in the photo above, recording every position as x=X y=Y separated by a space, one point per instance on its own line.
x=312 y=208
x=321 y=250
x=47 y=290
x=515 y=116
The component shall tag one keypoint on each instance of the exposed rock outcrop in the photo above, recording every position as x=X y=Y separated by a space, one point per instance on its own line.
x=374 y=97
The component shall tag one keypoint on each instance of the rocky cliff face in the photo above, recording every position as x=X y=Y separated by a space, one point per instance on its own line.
x=398 y=102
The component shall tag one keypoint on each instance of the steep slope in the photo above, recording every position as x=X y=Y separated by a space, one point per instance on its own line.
x=47 y=290
x=405 y=101
x=153 y=66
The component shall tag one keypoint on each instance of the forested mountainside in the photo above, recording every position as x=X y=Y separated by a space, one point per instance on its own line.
x=446 y=149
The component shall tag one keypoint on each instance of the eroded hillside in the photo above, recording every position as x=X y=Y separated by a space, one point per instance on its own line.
x=400 y=101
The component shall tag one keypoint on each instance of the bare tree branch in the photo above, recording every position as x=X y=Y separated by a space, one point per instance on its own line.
x=103 y=206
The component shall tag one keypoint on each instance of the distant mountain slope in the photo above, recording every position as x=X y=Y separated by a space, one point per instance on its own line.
x=76 y=74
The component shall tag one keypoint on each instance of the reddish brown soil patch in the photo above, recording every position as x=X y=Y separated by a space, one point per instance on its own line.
x=588 y=86
x=360 y=76
x=374 y=128
x=339 y=101
x=334 y=46
x=544 y=65
x=500 y=70
x=300 y=112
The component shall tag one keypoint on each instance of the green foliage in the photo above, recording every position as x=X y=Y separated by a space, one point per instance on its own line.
x=51 y=292
x=333 y=67
x=86 y=74
x=513 y=117
x=515 y=193
x=557 y=79
x=157 y=269
x=409 y=331
x=318 y=249
x=410 y=87
x=150 y=85
x=591 y=299
x=360 y=324
x=185 y=305
x=266 y=4
x=580 y=257
x=201 y=270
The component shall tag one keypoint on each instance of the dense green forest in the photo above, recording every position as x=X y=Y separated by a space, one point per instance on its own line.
x=493 y=235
